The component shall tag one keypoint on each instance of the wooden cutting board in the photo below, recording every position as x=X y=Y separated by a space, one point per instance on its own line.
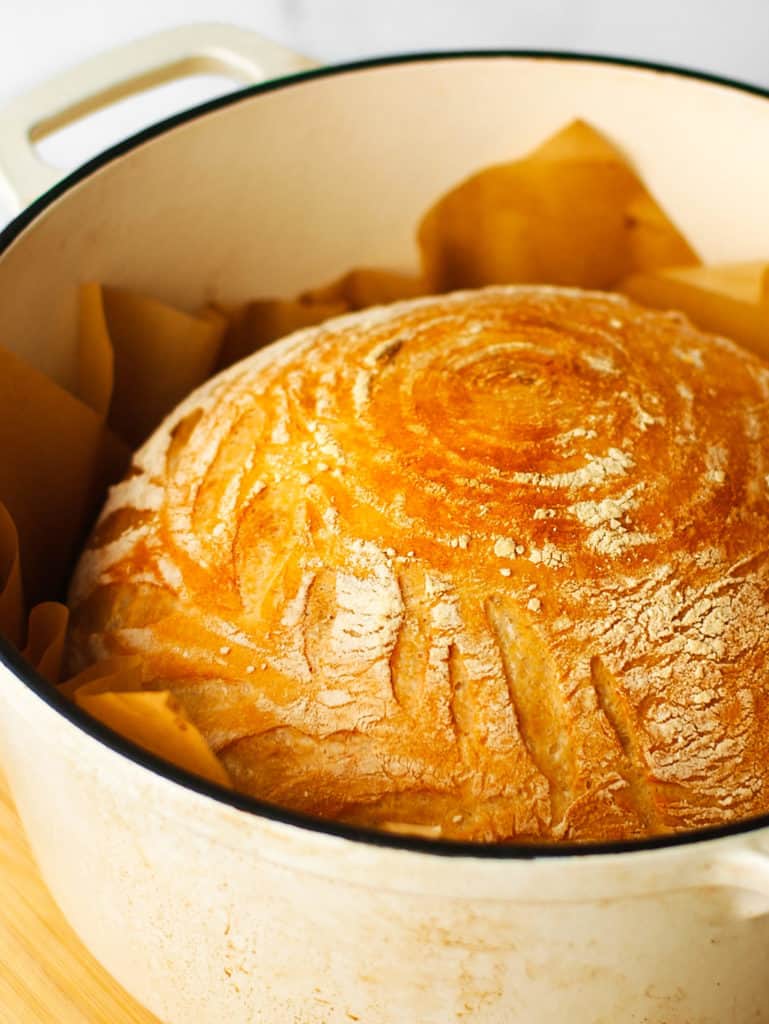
x=46 y=975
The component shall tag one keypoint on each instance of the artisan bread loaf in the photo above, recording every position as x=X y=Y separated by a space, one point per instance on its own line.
x=487 y=566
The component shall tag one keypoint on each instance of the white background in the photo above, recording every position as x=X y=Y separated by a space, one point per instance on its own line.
x=40 y=37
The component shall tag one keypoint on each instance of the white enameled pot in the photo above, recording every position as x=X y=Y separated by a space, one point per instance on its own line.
x=209 y=907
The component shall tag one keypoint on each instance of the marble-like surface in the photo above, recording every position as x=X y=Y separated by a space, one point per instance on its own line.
x=40 y=37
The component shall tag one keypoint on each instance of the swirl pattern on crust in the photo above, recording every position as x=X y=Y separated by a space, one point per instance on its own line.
x=490 y=565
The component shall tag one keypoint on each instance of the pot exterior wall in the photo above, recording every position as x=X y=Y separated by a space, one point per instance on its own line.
x=207 y=913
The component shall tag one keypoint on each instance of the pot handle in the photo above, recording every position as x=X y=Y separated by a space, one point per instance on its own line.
x=241 y=54
x=745 y=874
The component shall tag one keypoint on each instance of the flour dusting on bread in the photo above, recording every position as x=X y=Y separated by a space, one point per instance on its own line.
x=491 y=565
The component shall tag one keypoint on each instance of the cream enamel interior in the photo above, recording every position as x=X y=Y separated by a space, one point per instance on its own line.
x=285 y=189
x=177 y=893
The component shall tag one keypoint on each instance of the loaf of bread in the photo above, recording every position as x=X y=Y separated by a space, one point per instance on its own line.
x=487 y=566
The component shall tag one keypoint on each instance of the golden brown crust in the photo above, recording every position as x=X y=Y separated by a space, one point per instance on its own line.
x=493 y=564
